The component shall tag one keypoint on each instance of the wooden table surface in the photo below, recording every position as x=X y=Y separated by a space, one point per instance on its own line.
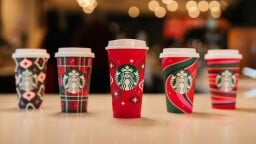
x=204 y=126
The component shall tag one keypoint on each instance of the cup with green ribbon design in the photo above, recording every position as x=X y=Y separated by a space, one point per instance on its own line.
x=179 y=67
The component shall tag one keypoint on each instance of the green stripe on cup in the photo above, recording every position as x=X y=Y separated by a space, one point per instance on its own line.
x=171 y=107
x=172 y=70
x=177 y=67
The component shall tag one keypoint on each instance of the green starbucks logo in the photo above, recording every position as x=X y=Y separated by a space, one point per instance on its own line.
x=127 y=77
x=181 y=82
x=27 y=80
x=225 y=80
x=73 y=81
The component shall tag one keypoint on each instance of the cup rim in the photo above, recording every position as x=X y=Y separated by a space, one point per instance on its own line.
x=126 y=44
x=30 y=53
x=179 y=52
x=74 y=52
x=223 y=53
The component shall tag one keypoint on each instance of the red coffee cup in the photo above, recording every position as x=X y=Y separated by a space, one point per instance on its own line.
x=126 y=67
x=223 y=76
x=179 y=71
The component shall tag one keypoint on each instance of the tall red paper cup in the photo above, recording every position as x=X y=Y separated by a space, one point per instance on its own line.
x=74 y=70
x=126 y=67
x=30 y=75
x=223 y=76
x=179 y=71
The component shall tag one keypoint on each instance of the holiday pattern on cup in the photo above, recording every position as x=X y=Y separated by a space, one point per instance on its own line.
x=74 y=83
x=223 y=75
x=226 y=80
x=127 y=83
x=30 y=75
x=127 y=77
x=27 y=80
x=181 y=82
x=126 y=71
x=179 y=75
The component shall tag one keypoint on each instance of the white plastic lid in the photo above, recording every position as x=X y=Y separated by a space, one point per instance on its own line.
x=30 y=53
x=74 y=52
x=127 y=44
x=223 y=53
x=179 y=52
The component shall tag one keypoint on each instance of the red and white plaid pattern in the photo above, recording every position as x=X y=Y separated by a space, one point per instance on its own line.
x=70 y=102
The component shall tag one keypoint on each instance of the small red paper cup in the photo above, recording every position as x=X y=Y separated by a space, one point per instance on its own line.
x=126 y=67
x=223 y=76
x=30 y=75
x=179 y=67
x=74 y=74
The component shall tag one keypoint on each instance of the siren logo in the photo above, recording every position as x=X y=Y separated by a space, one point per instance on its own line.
x=27 y=80
x=73 y=81
x=181 y=82
x=226 y=80
x=127 y=77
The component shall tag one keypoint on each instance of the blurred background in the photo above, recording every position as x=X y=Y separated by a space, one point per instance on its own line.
x=50 y=24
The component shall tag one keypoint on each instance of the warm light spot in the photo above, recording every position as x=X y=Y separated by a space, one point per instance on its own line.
x=87 y=3
x=167 y=1
x=216 y=12
x=88 y=10
x=134 y=11
x=223 y=4
x=191 y=4
x=173 y=6
x=193 y=12
x=160 y=12
x=88 y=6
x=95 y=4
x=214 y=4
x=203 y=5
x=153 y=5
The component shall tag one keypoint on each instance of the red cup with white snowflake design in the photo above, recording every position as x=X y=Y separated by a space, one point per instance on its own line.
x=179 y=67
x=74 y=74
x=30 y=75
x=223 y=76
x=126 y=67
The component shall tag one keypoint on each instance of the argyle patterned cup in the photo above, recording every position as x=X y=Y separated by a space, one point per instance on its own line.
x=30 y=75
x=74 y=74
x=126 y=67
x=179 y=67
x=223 y=76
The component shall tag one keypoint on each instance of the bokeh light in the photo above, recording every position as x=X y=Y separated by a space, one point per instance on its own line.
x=88 y=10
x=153 y=5
x=194 y=12
x=134 y=11
x=167 y=1
x=216 y=12
x=88 y=6
x=173 y=6
x=160 y=12
x=191 y=4
x=214 y=4
x=203 y=6
x=87 y=3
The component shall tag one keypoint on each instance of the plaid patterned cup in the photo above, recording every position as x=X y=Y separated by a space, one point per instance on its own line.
x=30 y=75
x=74 y=70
